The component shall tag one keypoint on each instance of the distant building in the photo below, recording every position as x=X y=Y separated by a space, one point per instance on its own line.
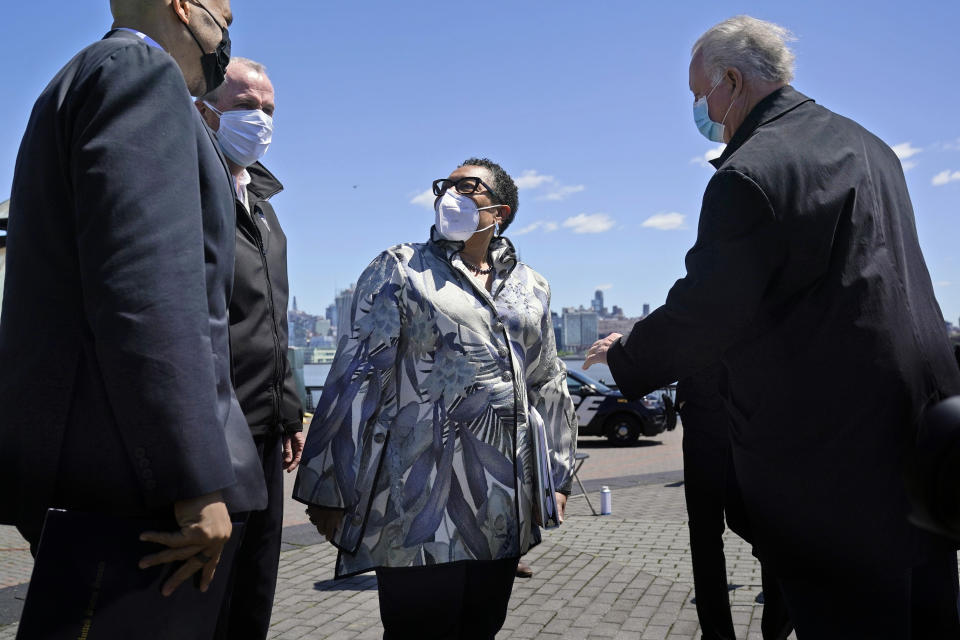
x=318 y=356
x=646 y=310
x=343 y=301
x=321 y=327
x=557 y=330
x=296 y=332
x=295 y=303
x=617 y=312
x=331 y=314
x=620 y=324
x=580 y=328
x=322 y=342
x=597 y=303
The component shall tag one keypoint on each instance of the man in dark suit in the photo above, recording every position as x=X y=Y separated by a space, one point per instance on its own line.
x=115 y=393
x=807 y=274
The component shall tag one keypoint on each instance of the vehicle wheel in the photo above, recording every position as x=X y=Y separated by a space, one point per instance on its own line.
x=622 y=429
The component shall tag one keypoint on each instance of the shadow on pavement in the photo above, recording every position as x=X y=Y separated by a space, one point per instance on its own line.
x=356 y=583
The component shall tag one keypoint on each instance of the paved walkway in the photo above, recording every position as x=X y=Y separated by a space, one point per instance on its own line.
x=627 y=575
x=622 y=576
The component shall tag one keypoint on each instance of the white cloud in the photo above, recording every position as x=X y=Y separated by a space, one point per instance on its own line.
x=949 y=145
x=604 y=287
x=666 y=221
x=562 y=192
x=533 y=226
x=589 y=223
x=905 y=150
x=944 y=177
x=942 y=283
x=710 y=154
x=530 y=179
x=424 y=199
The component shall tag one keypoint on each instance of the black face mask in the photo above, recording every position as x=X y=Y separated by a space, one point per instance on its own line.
x=214 y=65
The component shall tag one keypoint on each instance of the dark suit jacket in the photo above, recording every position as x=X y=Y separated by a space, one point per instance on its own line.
x=807 y=281
x=115 y=387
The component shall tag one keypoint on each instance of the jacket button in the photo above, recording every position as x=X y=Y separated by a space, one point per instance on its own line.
x=502 y=352
x=507 y=376
x=144 y=463
x=498 y=327
x=356 y=519
x=147 y=474
x=140 y=452
x=379 y=438
x=149 y=485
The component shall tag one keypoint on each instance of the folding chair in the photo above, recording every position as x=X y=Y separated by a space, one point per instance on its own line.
x=579 y=459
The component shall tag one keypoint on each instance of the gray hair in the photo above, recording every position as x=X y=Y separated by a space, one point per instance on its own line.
x=214 y=96
x=756 y=47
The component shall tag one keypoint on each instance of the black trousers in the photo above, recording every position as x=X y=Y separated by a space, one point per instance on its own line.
x=882 y=604
x=249 y=601
x=463 y=600
x=711 y=491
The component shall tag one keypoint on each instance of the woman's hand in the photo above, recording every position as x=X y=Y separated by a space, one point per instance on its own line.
x=327 y=521
x=561 y=505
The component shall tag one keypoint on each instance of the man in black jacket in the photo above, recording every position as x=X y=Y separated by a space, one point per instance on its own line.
x=241 y=112
x=115 y=393
x=807 y=273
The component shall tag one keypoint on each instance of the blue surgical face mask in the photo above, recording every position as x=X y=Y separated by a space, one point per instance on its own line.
x=701 y=116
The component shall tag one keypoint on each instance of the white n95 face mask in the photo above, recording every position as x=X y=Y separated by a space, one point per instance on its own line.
x=244 y=136
x=457 y=216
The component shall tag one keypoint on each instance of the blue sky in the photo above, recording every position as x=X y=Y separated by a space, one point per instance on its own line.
x=585 y=103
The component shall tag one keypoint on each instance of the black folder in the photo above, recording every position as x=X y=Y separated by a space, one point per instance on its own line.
x=86 y=584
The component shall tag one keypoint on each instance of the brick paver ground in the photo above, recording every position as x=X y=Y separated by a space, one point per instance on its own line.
x=627 y=575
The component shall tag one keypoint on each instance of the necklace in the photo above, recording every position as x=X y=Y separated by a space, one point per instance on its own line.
x=477 y=270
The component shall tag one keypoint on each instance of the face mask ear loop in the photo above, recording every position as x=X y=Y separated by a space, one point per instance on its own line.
x=213 y=108
x=728 y=109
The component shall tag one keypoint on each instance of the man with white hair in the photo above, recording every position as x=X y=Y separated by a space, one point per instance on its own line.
x=807 y=274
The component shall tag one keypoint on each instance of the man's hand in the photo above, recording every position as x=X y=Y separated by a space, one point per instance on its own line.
x=204 y=530
x=292 y=450
x=597 y=354
x=561 y=505
x=327 y=521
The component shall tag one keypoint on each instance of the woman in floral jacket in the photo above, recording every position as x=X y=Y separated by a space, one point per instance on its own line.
x=445 y=422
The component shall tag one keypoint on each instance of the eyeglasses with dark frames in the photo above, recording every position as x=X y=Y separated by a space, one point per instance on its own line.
x=465 y=186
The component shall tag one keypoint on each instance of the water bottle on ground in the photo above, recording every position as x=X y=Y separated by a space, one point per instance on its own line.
x=605 y=501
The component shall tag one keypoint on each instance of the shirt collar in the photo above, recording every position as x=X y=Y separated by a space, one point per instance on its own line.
x=767 y=110
x=503 y=255
x=241 y=185
x=140 y=34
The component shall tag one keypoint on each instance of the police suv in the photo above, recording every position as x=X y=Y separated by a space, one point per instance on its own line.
x=602 y=411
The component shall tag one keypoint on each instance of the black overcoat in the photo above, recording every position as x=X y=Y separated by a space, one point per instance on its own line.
x=807 y=281
x=115 y=391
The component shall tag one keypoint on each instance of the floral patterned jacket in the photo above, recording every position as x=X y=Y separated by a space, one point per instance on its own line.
x=422 y=434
